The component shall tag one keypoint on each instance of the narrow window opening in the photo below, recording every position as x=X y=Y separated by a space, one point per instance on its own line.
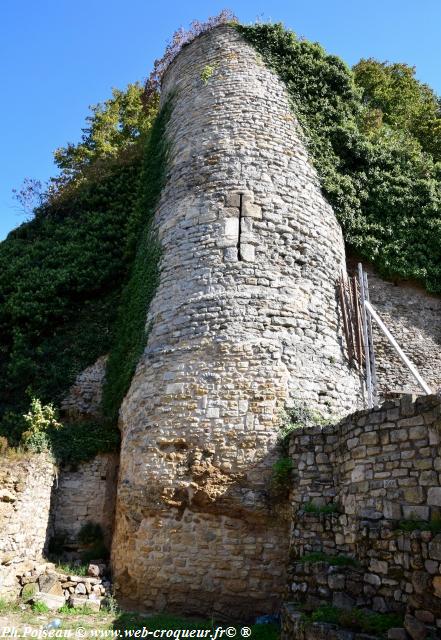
x=239 y=257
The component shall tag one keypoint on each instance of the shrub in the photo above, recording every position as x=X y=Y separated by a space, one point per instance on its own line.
x=41 y=421
x=281 y=476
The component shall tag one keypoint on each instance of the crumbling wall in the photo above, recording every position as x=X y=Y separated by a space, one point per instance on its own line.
x=25 y=500
x=377 y=468
x=86 y=493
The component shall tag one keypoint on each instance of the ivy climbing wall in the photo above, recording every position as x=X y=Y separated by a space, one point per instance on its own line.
x=244 y=320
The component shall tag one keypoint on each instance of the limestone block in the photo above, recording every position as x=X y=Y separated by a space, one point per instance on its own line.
x=51 y=600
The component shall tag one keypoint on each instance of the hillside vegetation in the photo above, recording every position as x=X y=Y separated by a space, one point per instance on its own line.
x=76 y=280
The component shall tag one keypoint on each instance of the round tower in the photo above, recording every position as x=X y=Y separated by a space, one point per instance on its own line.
x=244 y=321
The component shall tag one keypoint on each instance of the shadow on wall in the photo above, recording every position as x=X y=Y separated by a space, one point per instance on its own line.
x=84 y=494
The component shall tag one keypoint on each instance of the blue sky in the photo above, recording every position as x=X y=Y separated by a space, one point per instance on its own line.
x=59 y=56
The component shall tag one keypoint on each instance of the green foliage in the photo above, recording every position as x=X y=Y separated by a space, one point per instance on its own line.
x=60 y=282
x=8 y=607
x=62 y=274
x=40 y=607
x=281 y=475
x=81 y=441
x=385 y=190
x=419 y=525
x=395 y=98
x=113 y=127
x=206 y=73
x=336 y=561
x=72 y=569
x=136 y=621
x=41 y=421
x=311 y=507
x=357 y=619
x=131 y=332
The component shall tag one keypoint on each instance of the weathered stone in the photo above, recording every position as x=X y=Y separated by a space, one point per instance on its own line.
x=49 y=583
x=80 y=589
x=51 y=600
x=434 y=496
x=435 y=548
x=416 y=629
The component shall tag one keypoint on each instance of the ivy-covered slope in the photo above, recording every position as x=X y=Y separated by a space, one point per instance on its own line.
x=374 y=164
x=61 y=276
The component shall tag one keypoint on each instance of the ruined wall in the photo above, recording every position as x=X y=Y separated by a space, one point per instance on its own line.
x=244 y=319
x=25 y=499
x=83 y=399
x=86 y=493
x=377 y=468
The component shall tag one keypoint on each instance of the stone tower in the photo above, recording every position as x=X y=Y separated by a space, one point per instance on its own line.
x=244 y=320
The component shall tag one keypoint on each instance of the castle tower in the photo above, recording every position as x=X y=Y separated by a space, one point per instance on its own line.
x=244 y=320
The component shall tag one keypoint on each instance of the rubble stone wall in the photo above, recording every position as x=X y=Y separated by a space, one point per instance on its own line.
x=244 y=319
x=25 y=500
x=86 y=493
x=378 y=469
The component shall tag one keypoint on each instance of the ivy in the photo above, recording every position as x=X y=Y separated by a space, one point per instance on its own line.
x=131 y=331
x=385 y=190
x=61 y=276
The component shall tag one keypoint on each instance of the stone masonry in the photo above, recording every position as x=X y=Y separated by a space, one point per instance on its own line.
x=25 y=498
x=244 y=320
x=83 y=399
x=86 y=493
x=377 y=468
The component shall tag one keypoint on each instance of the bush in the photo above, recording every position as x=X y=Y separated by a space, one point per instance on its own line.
x=281 y=476
x=41 y=421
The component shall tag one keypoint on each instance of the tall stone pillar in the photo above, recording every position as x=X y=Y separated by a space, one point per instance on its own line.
x=244 y=320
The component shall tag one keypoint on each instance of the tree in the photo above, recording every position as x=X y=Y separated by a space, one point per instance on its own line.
x=114 y=126
x=394 y=98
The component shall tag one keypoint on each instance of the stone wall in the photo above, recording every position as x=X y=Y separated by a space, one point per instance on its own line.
x=25 y=499
x=413 y=317
x=377 y=468
x=245 y=318
x=86 y=493
x=84 y=397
